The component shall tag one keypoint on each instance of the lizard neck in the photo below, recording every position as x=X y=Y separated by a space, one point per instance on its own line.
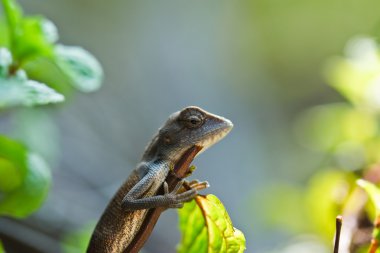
x=155 y=151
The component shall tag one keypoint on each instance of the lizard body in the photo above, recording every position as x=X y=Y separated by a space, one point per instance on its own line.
x=124 y=215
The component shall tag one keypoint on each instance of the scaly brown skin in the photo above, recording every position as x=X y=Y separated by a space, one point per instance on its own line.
x=128 y=209
x=181 y=170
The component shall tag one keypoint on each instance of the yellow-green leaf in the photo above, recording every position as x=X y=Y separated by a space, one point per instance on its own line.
x=13 y=15
x=27 y=198
x=10 y=175
x=35 y=39
x=206 y=227
x=13 y=167
x=373 y=192
x=24 y=179
x=326 y=127
x=357 y=75
x=326 y=193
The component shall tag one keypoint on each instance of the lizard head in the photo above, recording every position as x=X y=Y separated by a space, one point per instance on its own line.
x=192 y=126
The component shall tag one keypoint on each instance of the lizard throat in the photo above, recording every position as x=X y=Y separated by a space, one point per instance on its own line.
x=185 y=160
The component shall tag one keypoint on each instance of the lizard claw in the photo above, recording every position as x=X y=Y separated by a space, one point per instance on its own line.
x=166 y=188
x=178 y=198
x=196 y=184
x=178 y=186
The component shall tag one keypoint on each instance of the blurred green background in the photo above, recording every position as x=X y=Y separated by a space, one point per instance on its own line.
x=258 y=63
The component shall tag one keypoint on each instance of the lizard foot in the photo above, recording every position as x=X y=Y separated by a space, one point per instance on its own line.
x=178 y=198
x=196 y=184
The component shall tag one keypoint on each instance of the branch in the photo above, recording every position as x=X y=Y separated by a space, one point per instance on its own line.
x=180 y=171
x=338 y=225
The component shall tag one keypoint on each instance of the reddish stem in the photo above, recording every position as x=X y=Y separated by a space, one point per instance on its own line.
x=374 y=246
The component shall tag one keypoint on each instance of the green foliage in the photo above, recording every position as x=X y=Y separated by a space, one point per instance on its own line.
x=357 y=75
x=13 y=161
x=5 y=62
x=24 y=179
x=290 y=198
x=30 y=37
x=326 y=193
x=206 y=227
x=325 y=127
x=32 y=43
x=18 y=90
x=373 y=192
x=27 y=53
x=80 y=66
x=77 y=241
x=301 y=207
x=347 y=132
x=1 y=248
x=347 y=136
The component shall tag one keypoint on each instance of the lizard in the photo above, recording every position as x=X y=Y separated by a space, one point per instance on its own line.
x=125 y=213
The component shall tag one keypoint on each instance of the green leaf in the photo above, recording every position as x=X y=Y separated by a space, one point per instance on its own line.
x=1 y=248
x=327 y=192
x=77 y=241
x=30 y=37
x=357 y=75
x=373 y=192
x=292 y=214
x=35 y=39
x=206 y=227
x=30 y=195
x=325 y=127
x=10 y=175
x=24 y=179
x=5 y=61
x=13 y=168
x=80 y=66
x=13 y=15
x=4 y=34
x=47 y=71
x=20 y=91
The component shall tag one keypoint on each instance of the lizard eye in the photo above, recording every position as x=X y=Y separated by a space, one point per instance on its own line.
x=193 y=121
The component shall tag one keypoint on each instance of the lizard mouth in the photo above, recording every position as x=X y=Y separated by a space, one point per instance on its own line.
x=181 y=168
x=215 y=135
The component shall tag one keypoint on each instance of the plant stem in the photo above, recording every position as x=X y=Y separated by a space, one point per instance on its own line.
x=12 y=15
x=180 y=171
x=376 y=234
x=338 y=222
x=374 y=245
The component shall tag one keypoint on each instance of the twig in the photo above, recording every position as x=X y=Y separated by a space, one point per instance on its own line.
x=375 y=241
x=374 y=246
x=338 y=224
x=180 y=171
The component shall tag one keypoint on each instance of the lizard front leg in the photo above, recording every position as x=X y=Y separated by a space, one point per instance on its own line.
x=142 y=195
x=171 y=199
